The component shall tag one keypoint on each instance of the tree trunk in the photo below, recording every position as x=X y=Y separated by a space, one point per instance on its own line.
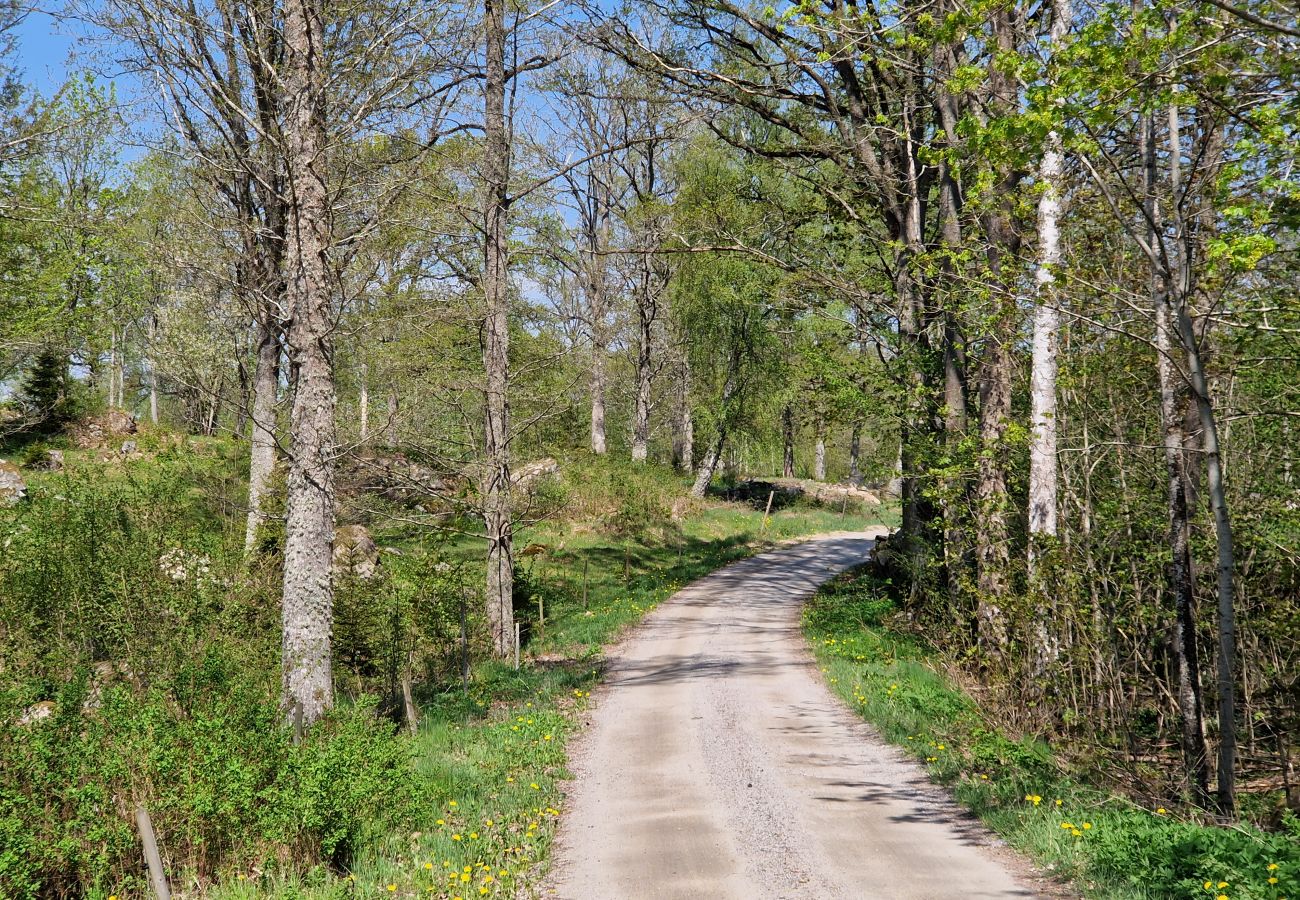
x=153 y=370
x=787 y=441
x=307 y=607
x=597 y=303
x=496 y=338
x=645 y=333
x=363 y=403
x=714 y=452
x=598 y=445
x=390 y=423
x=708 y=465
x=112 y=368
x=1181 y=579
x=1043 y=499
x=262 y=451
x=1047 y=318
x=992 y=502
x=684 y=433
x=819 y=452
x=1225 y=551
x=855 y=454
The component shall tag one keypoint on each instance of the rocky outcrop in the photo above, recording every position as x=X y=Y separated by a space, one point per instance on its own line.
x=49 y=461
x=527 y=476
x=12 y=486
x=355 y=552
x=94 y=432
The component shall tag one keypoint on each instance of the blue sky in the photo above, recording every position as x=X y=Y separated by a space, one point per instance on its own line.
x=49 y=48
x=43 y=49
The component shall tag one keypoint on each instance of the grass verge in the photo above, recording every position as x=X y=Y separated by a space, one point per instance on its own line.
x=1102 y=843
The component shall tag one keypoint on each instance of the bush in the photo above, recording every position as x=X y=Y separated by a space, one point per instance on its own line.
x=127 y=613
x=210 y=758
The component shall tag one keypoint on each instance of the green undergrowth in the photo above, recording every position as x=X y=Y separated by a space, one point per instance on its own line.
x=1103 y=844
x=139 y=664
x=490 y=754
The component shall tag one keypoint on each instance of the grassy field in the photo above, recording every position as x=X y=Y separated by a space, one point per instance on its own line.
x=1105 y=845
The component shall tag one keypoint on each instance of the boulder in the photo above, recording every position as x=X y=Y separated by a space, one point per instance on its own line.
x=12 y=487
x=527 y=475
x=36 y=712
x=52 y=461
x=117 y=422
x=355 y=552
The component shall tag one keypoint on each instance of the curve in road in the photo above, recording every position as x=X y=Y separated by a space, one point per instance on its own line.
x=717 y=764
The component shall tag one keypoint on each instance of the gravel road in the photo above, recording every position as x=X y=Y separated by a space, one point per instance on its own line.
x=717 y=764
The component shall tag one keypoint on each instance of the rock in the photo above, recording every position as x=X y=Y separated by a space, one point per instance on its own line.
x=92 y=433
x=355 y=552
x=530 y=473
x=181 y=565
x=128 y=447
x=36 y=712
x=117 y=422
x=12 y=487
x=53 y=461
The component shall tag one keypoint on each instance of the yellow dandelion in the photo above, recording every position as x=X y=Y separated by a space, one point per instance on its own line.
x=392 y=887
x=1160 y=811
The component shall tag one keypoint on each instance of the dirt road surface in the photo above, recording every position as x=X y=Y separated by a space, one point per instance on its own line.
x=718 y=764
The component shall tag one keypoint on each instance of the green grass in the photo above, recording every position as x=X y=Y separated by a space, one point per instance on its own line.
x=1105 y=845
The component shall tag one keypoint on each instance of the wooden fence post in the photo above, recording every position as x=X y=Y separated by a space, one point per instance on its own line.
x=151 y=858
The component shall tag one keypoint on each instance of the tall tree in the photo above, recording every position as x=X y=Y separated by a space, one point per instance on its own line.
x=308 y=600
x=496 y=332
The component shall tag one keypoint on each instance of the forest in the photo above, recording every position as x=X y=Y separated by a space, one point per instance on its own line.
x=366 y=368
